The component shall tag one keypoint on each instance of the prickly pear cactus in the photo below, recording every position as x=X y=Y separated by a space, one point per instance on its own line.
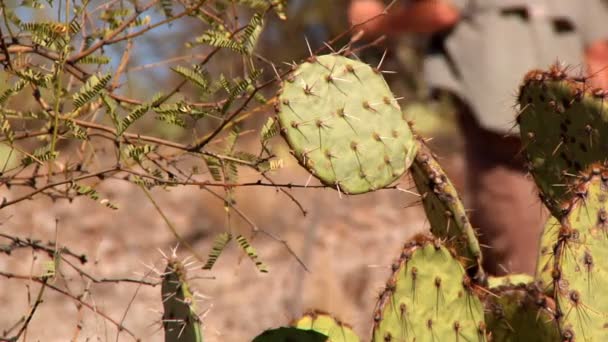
x=521 y=313
x=344 y=125
x=580 y=276
x=180 y=320
x=444 y=209
x=429 y=297
x=327 y=325
x=561 y=122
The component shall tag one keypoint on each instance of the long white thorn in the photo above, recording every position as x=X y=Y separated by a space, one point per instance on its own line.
x=308 y=45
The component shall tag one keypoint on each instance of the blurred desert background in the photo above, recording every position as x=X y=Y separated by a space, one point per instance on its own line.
x=347 y=242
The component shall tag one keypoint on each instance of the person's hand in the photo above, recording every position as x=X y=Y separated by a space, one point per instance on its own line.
x=360 y=11
x=596 y=57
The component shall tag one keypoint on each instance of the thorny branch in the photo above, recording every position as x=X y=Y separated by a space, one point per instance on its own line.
x=163 y=162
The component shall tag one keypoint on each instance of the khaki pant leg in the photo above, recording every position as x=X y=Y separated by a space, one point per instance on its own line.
x=506 y=210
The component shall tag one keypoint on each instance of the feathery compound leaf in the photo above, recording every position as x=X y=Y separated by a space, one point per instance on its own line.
x=34 y=77
x=84 y=190
x=221 y=39
x=48 y=34
x=172 y=119
x=219 y=244
x=76 y=130
x=252 y=33
x=12 y=91
x=94 y=59
x=41 y=154
x=5 y=128
x=240 y=87
x=111 y=106
x=138 y=152
x=251 y=253
x=133 y=116
x=214 y=167
x=246 y=156
x=198 y=76
x=167 y=7
x=269 y=130
x=92 y=87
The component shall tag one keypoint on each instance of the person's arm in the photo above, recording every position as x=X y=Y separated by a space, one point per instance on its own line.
x=419 y=16
x=596 y=56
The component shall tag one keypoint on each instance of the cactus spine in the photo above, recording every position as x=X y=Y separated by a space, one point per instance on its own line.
x=180 y=320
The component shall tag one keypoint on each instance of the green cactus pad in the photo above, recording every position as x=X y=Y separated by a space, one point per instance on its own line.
x=563 y=126
x=180 y=320
x=429 y=297
x=545 y=262
x=327 y=325
x=521 y=313
x=579 y=274
x=344 y=125
x=290 y=334
x=511 y=279
x=444 y=209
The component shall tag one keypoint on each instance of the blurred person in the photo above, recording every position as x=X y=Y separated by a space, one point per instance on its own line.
x=478 y=52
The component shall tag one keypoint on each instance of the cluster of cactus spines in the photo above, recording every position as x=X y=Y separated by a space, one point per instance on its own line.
x=324 y=323
x=520 y=313
x=561 y=124
x=180 y=319
x=344 y=125
x=429 y=297
x=444 y=209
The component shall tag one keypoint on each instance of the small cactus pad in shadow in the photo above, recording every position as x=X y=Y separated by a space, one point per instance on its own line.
x=290 y=334
x=563 y=125
x=580 y=274
x=344 y=125
x=327 y=325
x=545 y=261
x=429 y=297
x=444 y=209
x=180 y=320
x=521 y=313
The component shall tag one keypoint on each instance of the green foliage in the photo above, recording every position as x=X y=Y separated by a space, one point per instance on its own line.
x=93 y=86
x=344 y=124
x=180 y=320
x=87 y=191
x=220 y=242
x=251 y=253
x=195 y=75
x=40 y=155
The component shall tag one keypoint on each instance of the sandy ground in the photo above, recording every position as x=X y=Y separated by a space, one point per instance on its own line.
x=347 y=243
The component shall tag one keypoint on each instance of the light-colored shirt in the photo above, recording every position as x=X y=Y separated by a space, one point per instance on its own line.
x=497 y=41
